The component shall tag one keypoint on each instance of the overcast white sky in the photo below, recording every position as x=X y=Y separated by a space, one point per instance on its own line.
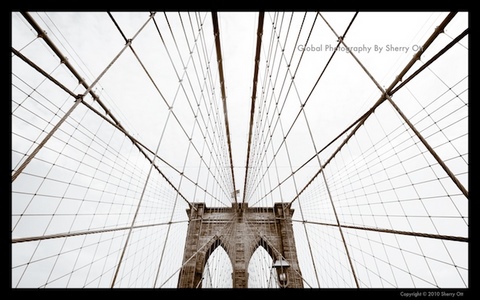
x=382 y=41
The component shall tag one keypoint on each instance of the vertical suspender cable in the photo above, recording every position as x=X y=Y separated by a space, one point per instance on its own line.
x=79 y=98
x=254 y=95
x=387 y=94
x=218 y=48
x=389 y=91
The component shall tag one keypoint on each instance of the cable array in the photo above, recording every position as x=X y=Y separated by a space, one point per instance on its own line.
x=375 y=167
x=92 y=173
x=387 y=187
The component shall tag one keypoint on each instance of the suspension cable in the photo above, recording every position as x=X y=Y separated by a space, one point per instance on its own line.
x=254 y=96
x=218 y=48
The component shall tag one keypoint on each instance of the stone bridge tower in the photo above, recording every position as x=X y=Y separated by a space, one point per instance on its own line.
x=240 y=230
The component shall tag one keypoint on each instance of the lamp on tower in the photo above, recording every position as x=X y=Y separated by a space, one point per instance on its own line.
x=281 y=266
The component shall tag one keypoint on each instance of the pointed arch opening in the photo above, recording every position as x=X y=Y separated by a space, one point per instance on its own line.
x=218 y=269
x=261 y=274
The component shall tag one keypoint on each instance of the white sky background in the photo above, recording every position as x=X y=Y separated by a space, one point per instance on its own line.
x=238 y=32
x=344 y=93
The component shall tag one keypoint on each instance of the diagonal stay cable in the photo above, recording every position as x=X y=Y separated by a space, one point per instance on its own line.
x=223 y=231
x=204 y=132
x=387 y=96
x=114 y=123
x=86 y=232
x=278 y=107
x=207 y=132
x=78 y=99
x=359 y=122
x=302 y=105
x=390 y=90
x=169 y=105
x=254 y=232
x=392 y=231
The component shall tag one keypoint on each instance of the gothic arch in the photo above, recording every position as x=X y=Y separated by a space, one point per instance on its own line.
x=212 y=246
x=277 y=239
x=261 y=242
